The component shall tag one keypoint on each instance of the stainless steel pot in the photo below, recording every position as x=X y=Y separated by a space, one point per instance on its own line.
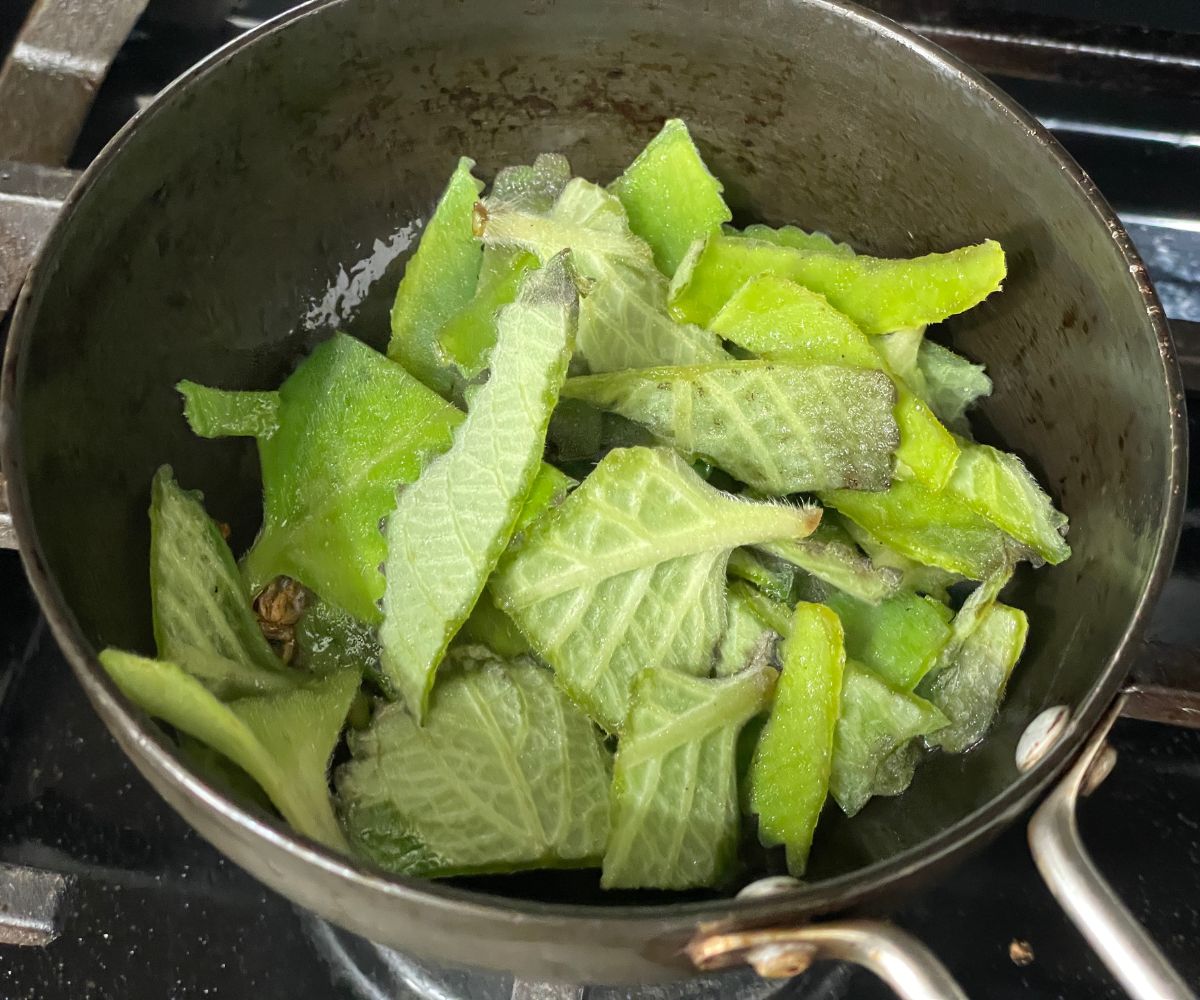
x=206 y=231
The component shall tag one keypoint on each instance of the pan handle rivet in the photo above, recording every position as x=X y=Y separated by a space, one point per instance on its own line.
x=774 y=885
x=1040 y=735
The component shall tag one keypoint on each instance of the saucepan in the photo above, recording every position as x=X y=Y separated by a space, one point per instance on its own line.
x=266 y=198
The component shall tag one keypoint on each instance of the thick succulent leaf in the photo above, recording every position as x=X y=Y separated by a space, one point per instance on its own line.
x=505 y=774
x=952 y=384
x=674 y=793
x=780 y=320
x=879 y=295
x=439 y=279
x=200 y=604
x=351 y=427
x=466 y=339
x=794 y=236
x=997 y=485
x=450 y=527
x=937 y=529
x=900 y=638
x=877 y=720
x=830 y=555
x=670 y=196
x=910 y=574
x=774 y=577
x=779 y=428
x=629 y=573
x=971 y=686
x=329 y=640
x=623 y=320
x=214 y=413
x=283 y=741
x=748 y=642
x=789 y=779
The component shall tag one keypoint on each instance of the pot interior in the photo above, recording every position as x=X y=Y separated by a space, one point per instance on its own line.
x=272 y=202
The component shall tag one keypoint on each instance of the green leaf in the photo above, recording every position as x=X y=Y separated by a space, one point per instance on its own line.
x=450 y=527
x=328 y=640
x=911 y=575
x=997 y=485
x=794 y=236
x=978 y=603
x=439 y=279
x=490 y=627
x=952 y=384
x=876 y=721
x=351 y=427
x=776 y=615
x=629 y=573
x=229 y=679
x=200 y=606
x=748 y=642
x=532 y=188
x=674 y=792
x=670 y=195
x=831 y=556
x=283 y=741
x=774 y=577
x=789 y=779
x=878 y=295
x=779 y=428
x=936 y=529
x=970 y=688
x=900 y=638
x=900 y=350
x=214 y=413
x=505 y=774
x=623 y=320
x=783 y=321
x=467 y=338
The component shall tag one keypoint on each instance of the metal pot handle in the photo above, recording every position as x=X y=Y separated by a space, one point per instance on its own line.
x=1160 y=692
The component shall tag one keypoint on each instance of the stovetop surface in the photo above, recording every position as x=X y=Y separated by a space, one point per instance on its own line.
x=154 y=912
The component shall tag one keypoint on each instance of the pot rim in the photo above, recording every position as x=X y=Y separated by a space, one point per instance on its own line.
x=133 y=728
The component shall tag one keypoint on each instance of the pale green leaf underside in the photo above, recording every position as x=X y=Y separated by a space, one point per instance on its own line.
x=505 y=774
x=629 y=573
x=449 y=528
x=200 y=604
x=674 y=793
x=952 y=384
x=747 y=642
x=780 y=428
x=283 y=741
x=623 y=320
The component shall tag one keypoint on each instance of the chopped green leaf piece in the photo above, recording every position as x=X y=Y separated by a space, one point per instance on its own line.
x=532 y=188
x=505 y=774
x=774 y=577
x=973 y=610
x=794 y=236
x=774 y=614
x=450 y=527
x=352 y=426
x=329 y=640
x=899 y=351
x=970 y=688
x=900 y=638
x=789 y=778
x=952 y=384
x=911 y=575
x=629 y=572
x=748 y=642
x=783 y=321
x=623 y=320
x=997 y=485
x=214 y=413
x=200 y=604
x=779 y=428
x=439 y=279
x=229 y=679
x=937 y=529
x=670 y=196
x=879 y=295
x=283 y=741
x=876 y=721
x=832 y=557
x=467 y=338
x=490 y=627
x=674 y=793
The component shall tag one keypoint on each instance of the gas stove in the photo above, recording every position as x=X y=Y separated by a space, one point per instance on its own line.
x=140 y=908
